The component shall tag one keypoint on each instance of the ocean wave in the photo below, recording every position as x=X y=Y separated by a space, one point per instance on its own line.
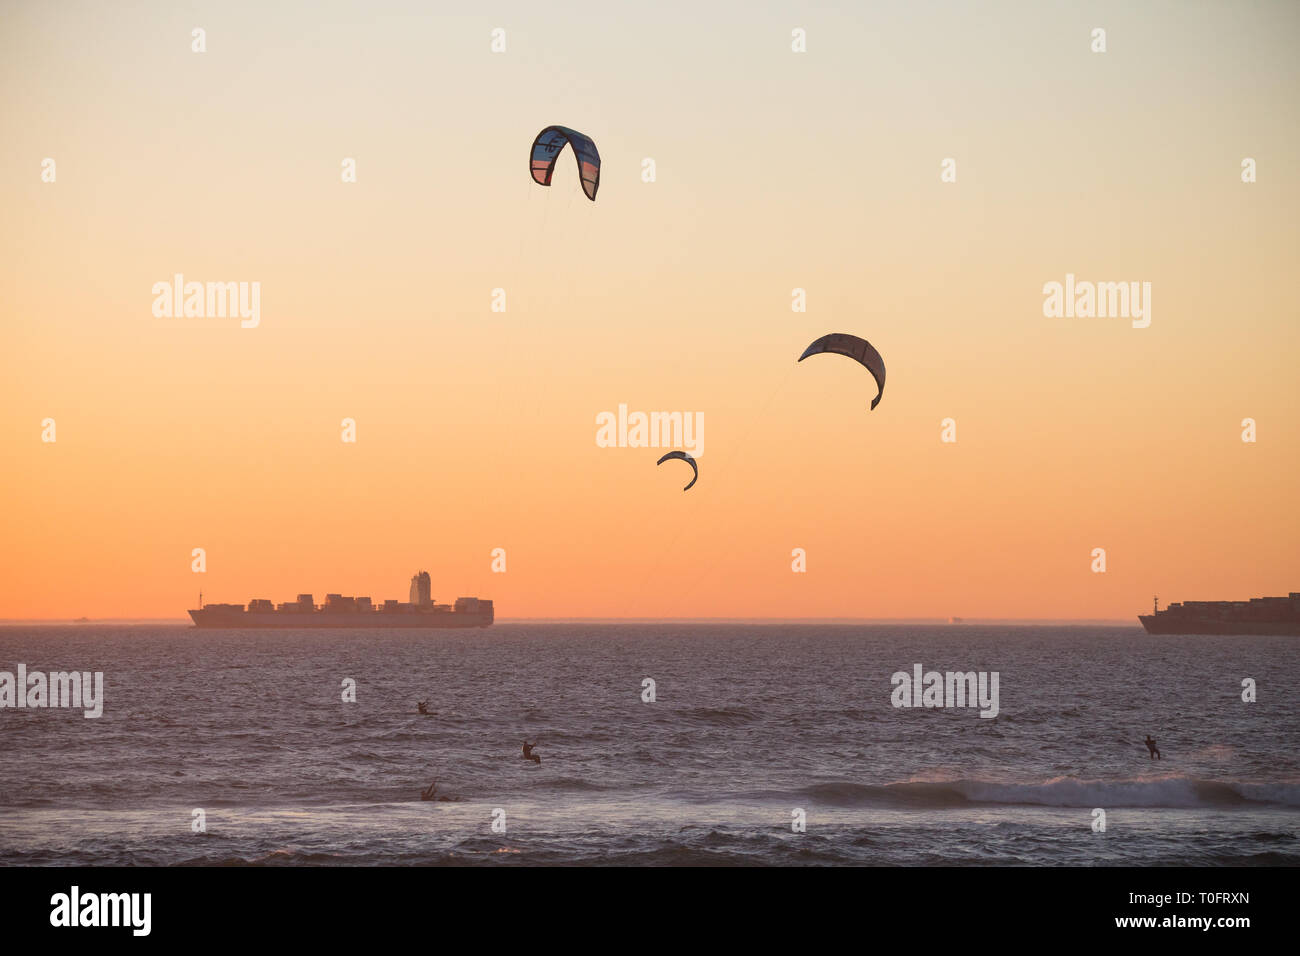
x=717 y=716
x=285 y=856
x=1170 y=791
x=570 y=784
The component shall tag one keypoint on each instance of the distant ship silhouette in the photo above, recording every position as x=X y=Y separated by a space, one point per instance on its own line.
x=1266 y=615
x=340 y=611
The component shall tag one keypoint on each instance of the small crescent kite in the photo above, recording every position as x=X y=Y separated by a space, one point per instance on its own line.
x=858 y=349
x=686 y=458
x=547 y=147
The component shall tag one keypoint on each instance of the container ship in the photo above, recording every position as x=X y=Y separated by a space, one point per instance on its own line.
x=1266 y=615
x=353 y=612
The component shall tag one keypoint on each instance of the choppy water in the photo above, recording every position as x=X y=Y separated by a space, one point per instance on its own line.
x=750 y=723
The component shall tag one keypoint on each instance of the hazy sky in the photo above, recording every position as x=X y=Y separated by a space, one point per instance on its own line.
x=775 y=170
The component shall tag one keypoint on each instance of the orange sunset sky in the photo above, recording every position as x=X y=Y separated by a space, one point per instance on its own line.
x=775 y=170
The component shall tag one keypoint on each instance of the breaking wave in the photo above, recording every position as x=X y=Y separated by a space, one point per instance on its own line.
x=1174 y=792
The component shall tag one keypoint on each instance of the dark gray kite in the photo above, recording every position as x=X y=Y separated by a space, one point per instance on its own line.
x=856 y=348
x=686 y=458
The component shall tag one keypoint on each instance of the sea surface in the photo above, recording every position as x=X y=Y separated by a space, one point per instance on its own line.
x=750 y=723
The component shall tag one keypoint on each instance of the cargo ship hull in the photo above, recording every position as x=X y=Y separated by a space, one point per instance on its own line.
x=1154 y=625
x=377 y=620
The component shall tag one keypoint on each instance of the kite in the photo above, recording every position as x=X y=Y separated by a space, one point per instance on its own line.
x=547 y=147
x=858 y=349
x=686 y=458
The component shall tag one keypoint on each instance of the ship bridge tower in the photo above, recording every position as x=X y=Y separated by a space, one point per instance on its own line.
x=421 y=589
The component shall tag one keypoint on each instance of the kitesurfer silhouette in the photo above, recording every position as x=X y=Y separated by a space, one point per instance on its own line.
x=528 y=753
x=1151 y=746
x=422 y=706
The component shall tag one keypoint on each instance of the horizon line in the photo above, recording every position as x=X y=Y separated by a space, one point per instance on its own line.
x=963 y=622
